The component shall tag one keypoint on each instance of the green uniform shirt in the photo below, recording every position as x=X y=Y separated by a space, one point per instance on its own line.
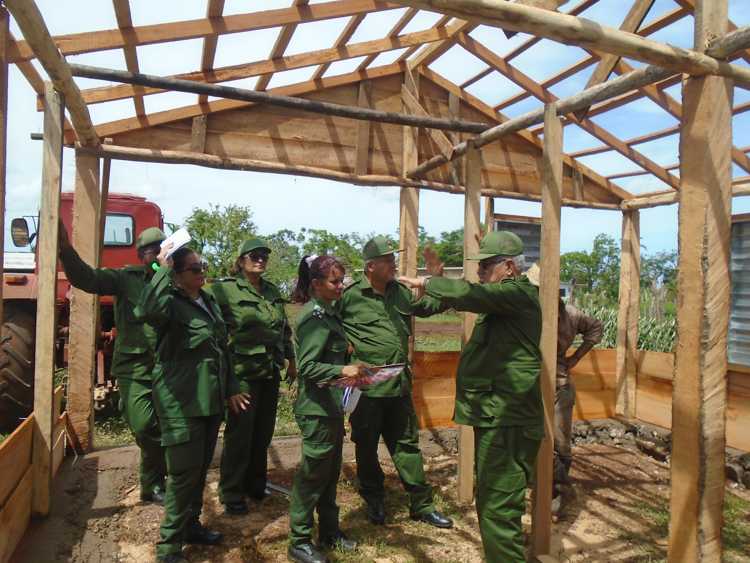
x=136 y=341
x=192 y=375
x=322 y=352
x=260 y=337
x=379 y=326
x=497 y=383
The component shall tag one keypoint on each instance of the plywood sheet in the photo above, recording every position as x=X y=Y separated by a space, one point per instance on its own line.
x=15 y=458
x=15 y=516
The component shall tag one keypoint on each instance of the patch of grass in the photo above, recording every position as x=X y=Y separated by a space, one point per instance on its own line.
x=112 y=431
x=735 y=533
x=3 y=437
x=447 y=317
x=437 y=343
x=286 y=425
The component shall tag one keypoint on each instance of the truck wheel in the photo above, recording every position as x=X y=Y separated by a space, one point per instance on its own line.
x=16 y=367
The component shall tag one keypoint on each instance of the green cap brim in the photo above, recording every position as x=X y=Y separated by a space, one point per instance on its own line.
x=483 y=256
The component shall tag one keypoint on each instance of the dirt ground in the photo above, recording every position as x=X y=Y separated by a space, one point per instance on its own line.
x=617 y=511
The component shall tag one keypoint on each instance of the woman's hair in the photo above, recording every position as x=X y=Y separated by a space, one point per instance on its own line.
x=179 y=257
x=236 y=267
x=313 y=268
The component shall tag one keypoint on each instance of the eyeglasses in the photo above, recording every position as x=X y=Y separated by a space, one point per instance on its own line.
x=257 y=256
x=490 y=262
x=196 y=268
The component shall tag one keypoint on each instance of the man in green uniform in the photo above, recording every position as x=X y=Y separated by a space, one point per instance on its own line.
x=377 y=315
x=133 y=359
x=497 y=386
x=260 y=340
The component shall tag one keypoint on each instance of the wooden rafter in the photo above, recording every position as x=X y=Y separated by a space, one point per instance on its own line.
x=584 y=33
x=346 y=34
x=124 y=22
x=433 y=52
x=151 y=120
x=279 y=47
x=92 y=41
x=30 y=20
x=523 y=47
x=214 y=9
x=664 y=21
x=512 y=73
x=633 y=20
x=397 y=28
x=235 y=72
x=487 y=110
x=406 y=55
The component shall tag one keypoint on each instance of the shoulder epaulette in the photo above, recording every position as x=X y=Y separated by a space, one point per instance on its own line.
x=311 y=311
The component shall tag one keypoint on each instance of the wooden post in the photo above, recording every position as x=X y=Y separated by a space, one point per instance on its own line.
x=363 y=130
x=84 y=307
x=198 y=134
x=4 y=34
x=700 y=384
x=46 y=313
x=489 y=214
x=472 y=232
x=409 y=200
x=627 y=316
x=549 y=296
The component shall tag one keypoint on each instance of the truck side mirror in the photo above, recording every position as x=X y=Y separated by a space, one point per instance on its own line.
x=19 y=232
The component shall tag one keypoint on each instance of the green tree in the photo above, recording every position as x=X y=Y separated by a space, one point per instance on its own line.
x=285 y=257
x=347 y=247
x=217 y=234
x=450 y=247
x=598 y=271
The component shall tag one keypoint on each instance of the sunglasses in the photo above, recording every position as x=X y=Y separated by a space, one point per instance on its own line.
x=490 y=262
x=257 y=256
x=196 y=269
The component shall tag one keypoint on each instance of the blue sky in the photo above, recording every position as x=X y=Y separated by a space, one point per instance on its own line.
x=288 y=202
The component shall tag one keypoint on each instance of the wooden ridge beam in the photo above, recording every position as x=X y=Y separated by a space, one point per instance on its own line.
x=30 y=20
x=515 y=75
x=125 y=21
x=92 y=41
x=119 y=126
x=214 y=9
x=586 y=34
x=633 y=20
x=279 y=47
x=303 y=104
x=479 y=105
x=235 y=72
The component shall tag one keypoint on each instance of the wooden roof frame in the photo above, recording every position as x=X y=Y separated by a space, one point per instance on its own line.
x=605 y=51
x=705 y=185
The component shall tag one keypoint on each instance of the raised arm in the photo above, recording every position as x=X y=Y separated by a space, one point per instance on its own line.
x=156 y=299
x=101 y=281
x=497 y=298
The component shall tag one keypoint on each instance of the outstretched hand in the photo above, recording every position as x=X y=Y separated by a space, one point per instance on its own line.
x=432 y=262
x=351 y=375
x=415 y=283
x=162 y=257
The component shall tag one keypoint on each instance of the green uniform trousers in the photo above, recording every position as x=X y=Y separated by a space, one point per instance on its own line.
x=244 y=460
x=187 y=465
x=395 y=420
x=505 y=458
x=137 y=407
x=316 y=479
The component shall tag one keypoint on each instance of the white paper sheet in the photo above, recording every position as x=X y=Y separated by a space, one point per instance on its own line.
x=179 y=238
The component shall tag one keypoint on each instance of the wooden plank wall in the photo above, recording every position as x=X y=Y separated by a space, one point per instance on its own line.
x=15 y=487
x=301 y=138
x=594 y=377
x=16 y=474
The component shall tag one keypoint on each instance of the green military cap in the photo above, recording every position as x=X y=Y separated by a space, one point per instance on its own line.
x=499 y=243
x=378 y=246
x=253 y=243
x=152 y=235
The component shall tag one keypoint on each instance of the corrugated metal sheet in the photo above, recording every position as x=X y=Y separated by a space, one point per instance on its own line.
x=739 y=320
x=530 y=233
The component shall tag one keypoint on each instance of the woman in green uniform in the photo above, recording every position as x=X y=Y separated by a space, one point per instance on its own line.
x=323 y=351
x=192 y=382
x=260 y=340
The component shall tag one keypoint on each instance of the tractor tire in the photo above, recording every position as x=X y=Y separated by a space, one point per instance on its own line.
x=16 y=367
